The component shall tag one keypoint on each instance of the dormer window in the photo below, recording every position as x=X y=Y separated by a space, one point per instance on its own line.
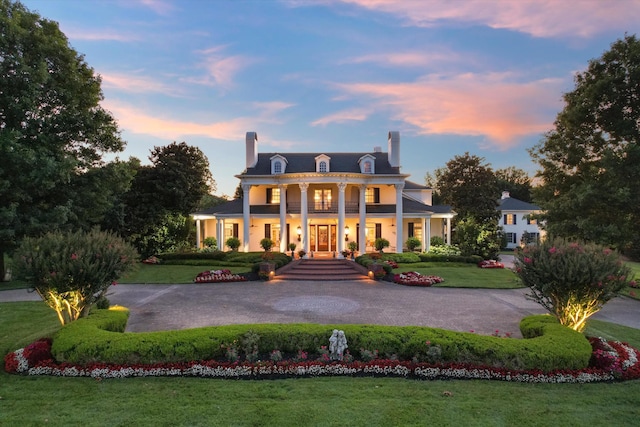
x=367 y=164
x=322 y=163
x=278 y=164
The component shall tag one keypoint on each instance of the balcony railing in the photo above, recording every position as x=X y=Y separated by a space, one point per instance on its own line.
x=319 y=208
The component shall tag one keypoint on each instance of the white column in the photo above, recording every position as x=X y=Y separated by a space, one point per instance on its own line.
x=362 y=234
x=219 y=235
x=426 y=245
x=448 y=231
x=246 y=217
x=399 y=242
x=198 y=233
x=341 y=188
x=284 y=238
x=304 y=186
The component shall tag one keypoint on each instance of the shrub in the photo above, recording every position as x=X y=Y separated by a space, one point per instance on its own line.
x=475 y=238
x=381 y=243
x=436 y=241
x=547 y=345
x=210 y=242
x=571 y=280
x=266 y=244
x=71 y=271
x=233 y=243
x=444 y=250
x=405 y=257
x=413 y=243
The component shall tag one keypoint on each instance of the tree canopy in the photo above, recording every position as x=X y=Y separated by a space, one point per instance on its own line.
x=590 y=162
x=52 y=126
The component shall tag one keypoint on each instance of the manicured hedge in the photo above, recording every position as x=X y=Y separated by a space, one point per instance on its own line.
x=98 y=338
x=427 y=257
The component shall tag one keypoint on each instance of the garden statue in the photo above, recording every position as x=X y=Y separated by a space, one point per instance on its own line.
x=337 y=345
x=333 y=345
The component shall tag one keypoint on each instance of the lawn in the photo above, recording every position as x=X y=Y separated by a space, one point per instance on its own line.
x=312 y=401
x=458 y=275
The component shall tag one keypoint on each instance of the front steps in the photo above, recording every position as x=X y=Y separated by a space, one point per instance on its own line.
x=322 y=270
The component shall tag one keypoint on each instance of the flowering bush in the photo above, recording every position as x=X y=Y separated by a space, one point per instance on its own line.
x=392 y=263
x=610 y=361
x=571 y=280
x=214 y=276
x=490 y=263
x=151 y=260
x=416 y=279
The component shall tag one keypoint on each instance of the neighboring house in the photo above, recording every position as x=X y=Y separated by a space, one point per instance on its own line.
x=517 y=222
x=321 y=201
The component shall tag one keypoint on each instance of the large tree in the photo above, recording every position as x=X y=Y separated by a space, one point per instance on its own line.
x=470 y=186
x=163 y=194
x=51 y=124
x=591 y=160
x=516 y=181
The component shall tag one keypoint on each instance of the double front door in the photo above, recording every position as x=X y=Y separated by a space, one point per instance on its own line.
x=323 y=238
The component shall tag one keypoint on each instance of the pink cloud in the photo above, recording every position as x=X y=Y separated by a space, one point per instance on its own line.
x=356 y=114
x=540 y=18
x=140 y=121
x=221 y=69
x=490 y=105
x=408 y=59
x=98 y=35
x=133 y=83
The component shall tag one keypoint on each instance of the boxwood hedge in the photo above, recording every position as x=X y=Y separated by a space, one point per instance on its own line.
x=99 y=338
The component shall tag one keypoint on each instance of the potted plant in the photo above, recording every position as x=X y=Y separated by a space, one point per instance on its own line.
x=292 y=247
x=301 y=253
x=413 y=243
x=381 y=243
x=353 y=247
x=267 y=266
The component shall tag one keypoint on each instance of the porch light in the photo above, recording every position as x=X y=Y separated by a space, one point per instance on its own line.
x=299 y=232
x=346 y=233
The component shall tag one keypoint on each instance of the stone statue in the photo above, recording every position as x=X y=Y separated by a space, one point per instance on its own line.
x=337 y=345
x=342 y=344
x=333 y=345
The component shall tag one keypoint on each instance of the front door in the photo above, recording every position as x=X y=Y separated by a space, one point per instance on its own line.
x=323 y=238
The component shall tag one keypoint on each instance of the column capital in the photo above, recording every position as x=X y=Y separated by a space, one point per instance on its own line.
x=282 y=186
x=342 y=186
x=399 y=186
x=304 y=186
x=246 y=187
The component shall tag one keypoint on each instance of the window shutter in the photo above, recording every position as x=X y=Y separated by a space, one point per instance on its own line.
x=378 y=231
x=269 y=195
x=235 y=230
x=410 y=229
x=515 y=217
x=505 y=219
x=376 y=195
x=267 y=231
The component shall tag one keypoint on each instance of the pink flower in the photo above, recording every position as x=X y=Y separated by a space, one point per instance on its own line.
x=553 y=250
x=74 y=256
x=527 y=260
x=114 y=283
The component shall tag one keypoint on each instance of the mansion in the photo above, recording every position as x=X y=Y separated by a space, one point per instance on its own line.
x=322 y=201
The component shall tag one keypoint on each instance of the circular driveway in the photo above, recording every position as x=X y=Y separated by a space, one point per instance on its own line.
x=484 y=311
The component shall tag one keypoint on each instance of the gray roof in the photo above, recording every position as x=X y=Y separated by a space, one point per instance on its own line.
x=410 y=185
x=305 y=162
x=511 y=204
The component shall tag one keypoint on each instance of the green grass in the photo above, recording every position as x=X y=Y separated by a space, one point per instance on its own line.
x=172 y=274
x=34 y=401
x=458 y=275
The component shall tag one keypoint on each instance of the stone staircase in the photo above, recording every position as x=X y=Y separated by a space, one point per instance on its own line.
x=322 y=270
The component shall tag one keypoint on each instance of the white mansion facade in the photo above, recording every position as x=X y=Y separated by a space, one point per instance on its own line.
x=321 y=201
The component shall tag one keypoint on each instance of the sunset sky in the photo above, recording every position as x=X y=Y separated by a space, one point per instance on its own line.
x=452 y=76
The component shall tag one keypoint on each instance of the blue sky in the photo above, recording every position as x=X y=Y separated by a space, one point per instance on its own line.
x=452 y=76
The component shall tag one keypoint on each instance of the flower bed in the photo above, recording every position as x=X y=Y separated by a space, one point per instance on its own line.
x=151 y=260
x=611 y=361
x=416 y=279
x=392 y=263
x=490 y=263
x=215 y=276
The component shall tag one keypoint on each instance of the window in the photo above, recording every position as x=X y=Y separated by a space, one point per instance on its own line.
x=509 y=219
x=511 y=237
x=322 y=167
x=415 y=230
x=273 y=196
x=322 y=199
x=530 y=221
x=230 y=230
x=372 y=195
x=367 y=167
x=277 y=167
x=528 y=238
x=371 y=233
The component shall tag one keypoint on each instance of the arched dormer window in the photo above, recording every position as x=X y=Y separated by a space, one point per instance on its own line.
x=323 y=164
x=278 y=164
x=367 y=164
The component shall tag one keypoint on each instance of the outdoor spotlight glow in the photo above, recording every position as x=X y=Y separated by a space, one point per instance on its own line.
x=299 y=232
x=346 y=233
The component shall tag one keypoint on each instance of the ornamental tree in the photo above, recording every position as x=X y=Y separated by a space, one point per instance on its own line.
x=71 y=271
x=571 y=280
